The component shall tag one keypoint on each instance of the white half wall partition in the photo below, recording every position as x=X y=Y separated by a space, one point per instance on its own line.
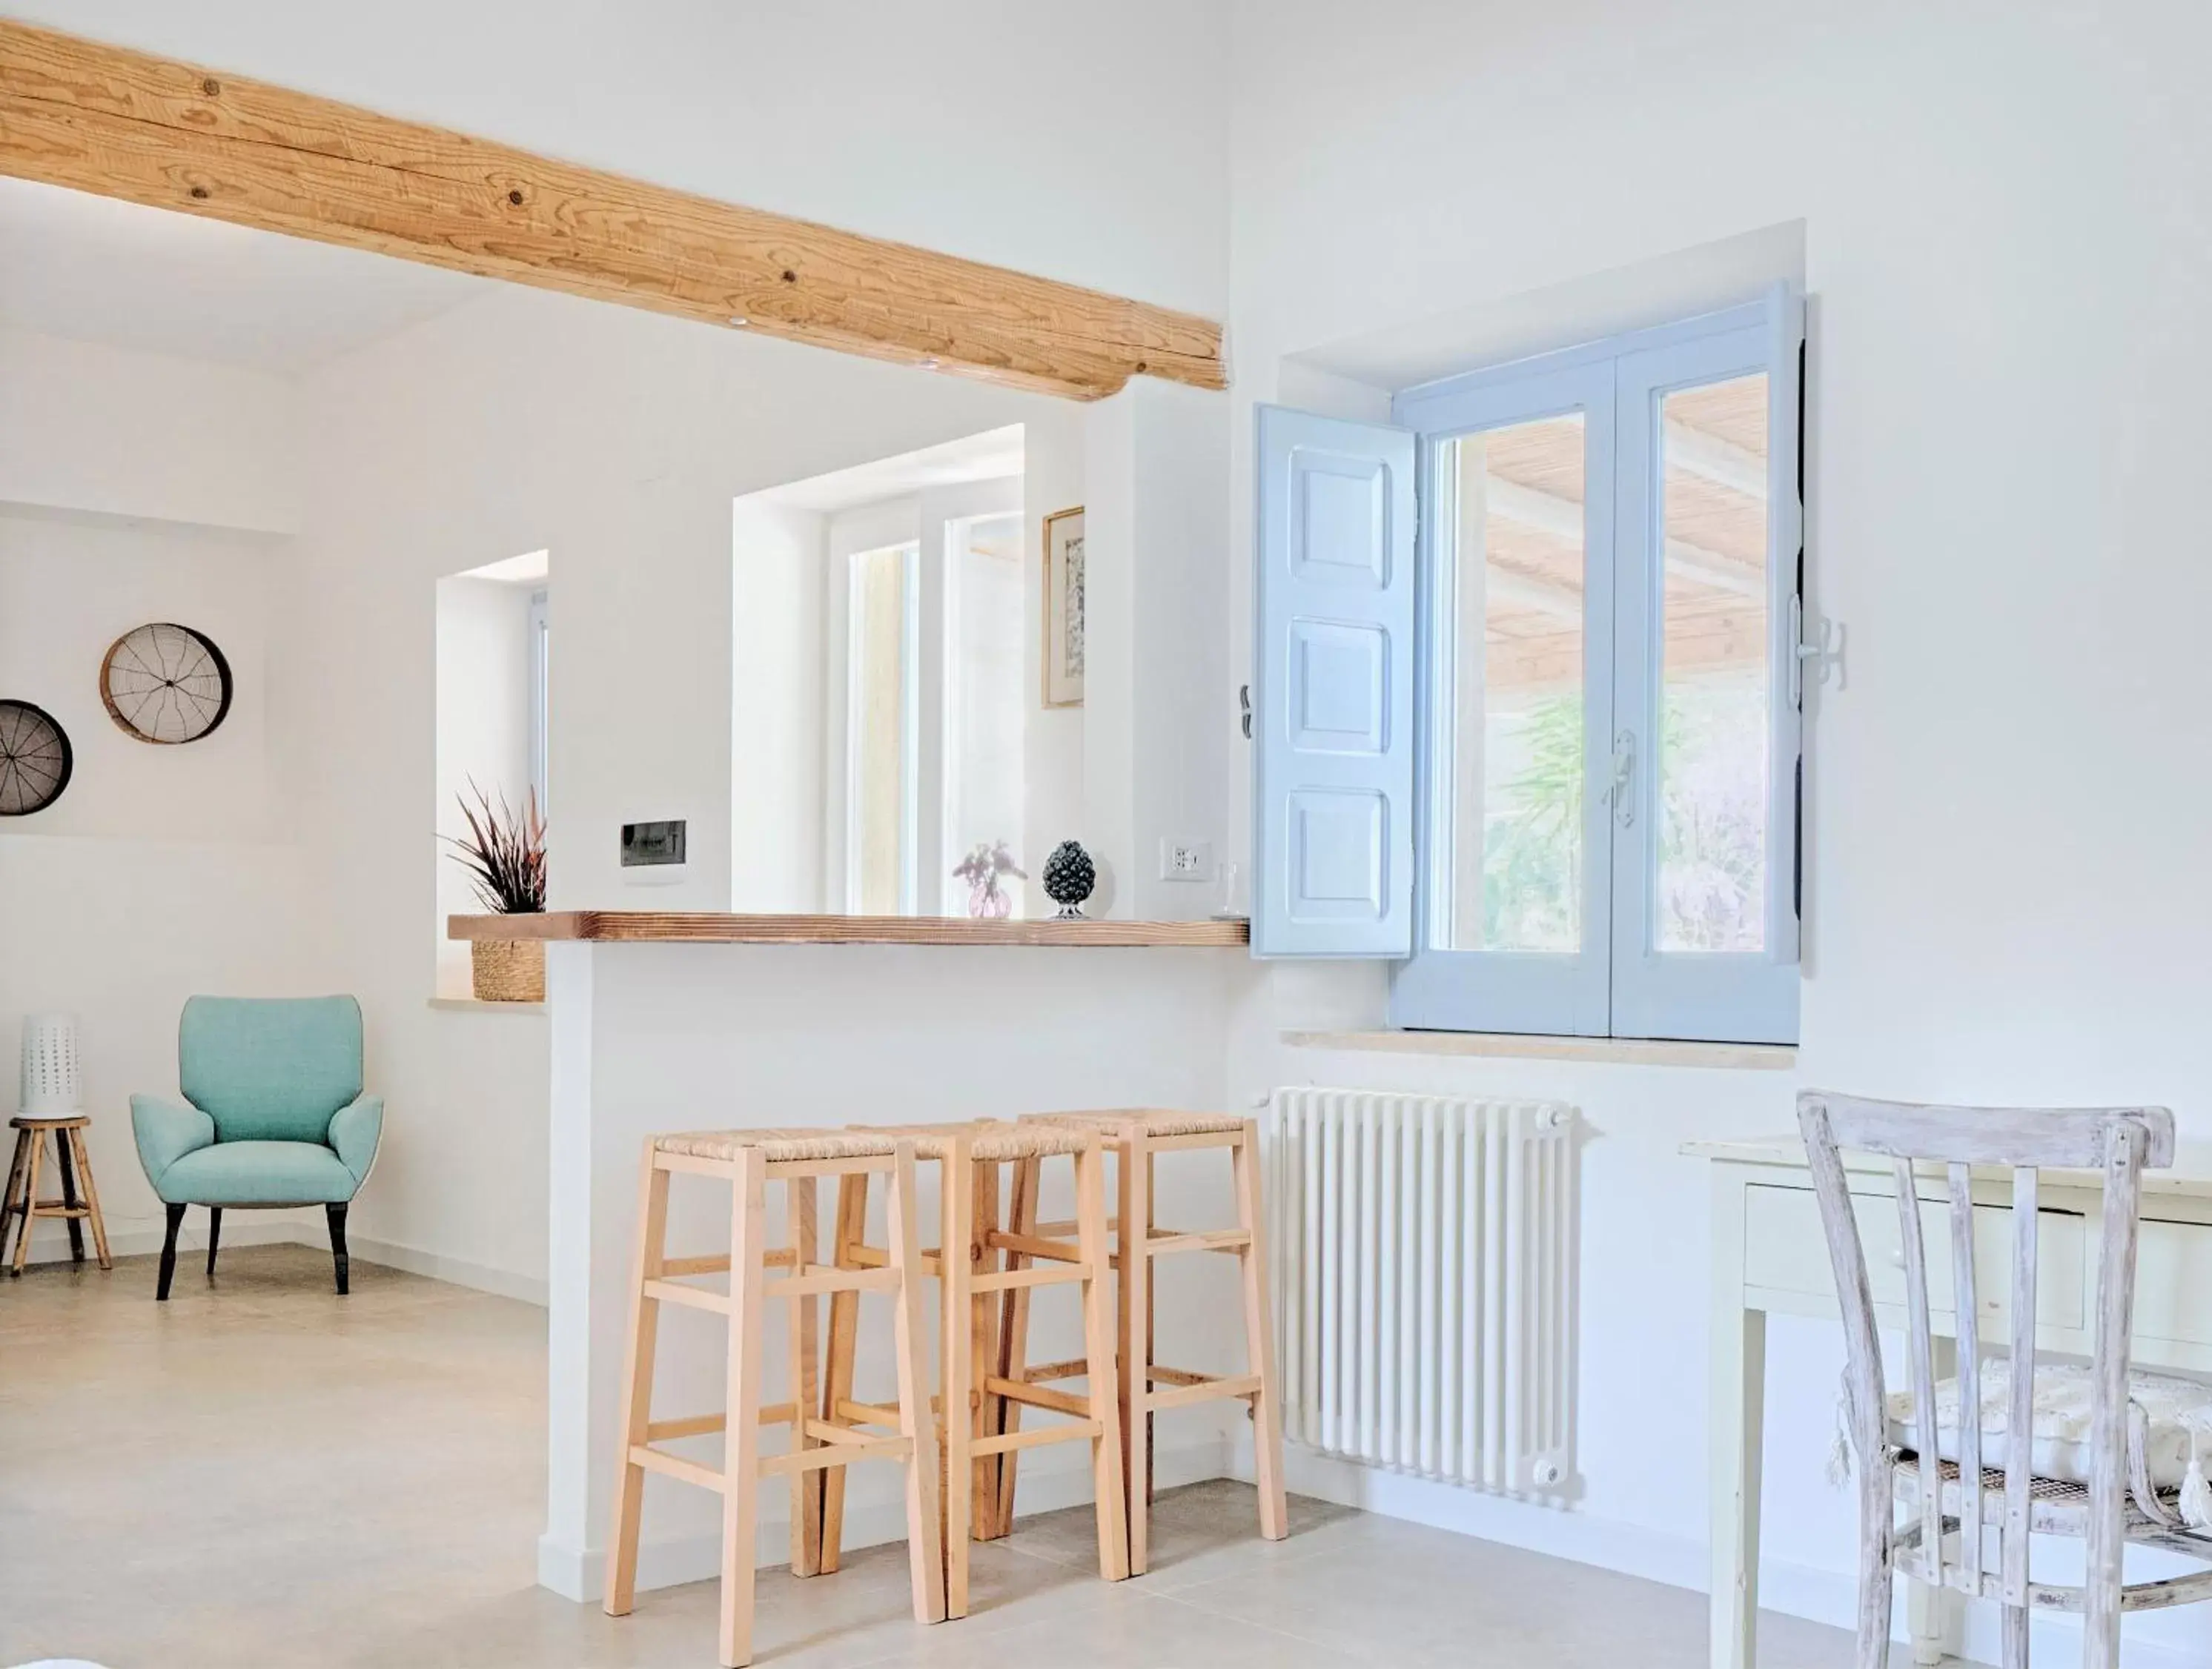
x=657 y=1037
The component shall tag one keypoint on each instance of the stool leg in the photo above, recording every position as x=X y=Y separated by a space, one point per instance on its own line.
x=37 y=1157
x=1014 y=1332
x=1260 y=1340
x=16 y=1165
x=1152 y=1320
x=925 y=1551
x=1136 y=1331
x=983 y=1352
x=1099 y=1352
x=619 y=1590
x=92 y=1201
x=957 y=1295
x=850 y=1230
x=805 y=1390
x=741 y=1434
x=63 y=1162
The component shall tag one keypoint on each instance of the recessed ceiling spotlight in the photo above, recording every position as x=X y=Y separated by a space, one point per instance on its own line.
x=930 y=364
x=739 y=320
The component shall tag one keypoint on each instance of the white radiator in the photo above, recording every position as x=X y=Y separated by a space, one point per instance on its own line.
x=1423 y=1252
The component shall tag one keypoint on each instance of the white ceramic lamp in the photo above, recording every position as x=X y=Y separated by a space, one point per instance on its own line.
x=52 y=1087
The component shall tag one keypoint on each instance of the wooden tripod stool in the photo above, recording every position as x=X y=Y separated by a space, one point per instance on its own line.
x=973 y=1392
x=749 y=1160
x=23 y=1204
x=1136 y=1136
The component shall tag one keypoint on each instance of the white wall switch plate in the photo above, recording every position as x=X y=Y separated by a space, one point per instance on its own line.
x=1186 y=861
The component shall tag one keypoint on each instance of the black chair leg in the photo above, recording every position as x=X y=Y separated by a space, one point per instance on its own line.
x=337 y=1243
x=214 y=1234
x=169 y=1251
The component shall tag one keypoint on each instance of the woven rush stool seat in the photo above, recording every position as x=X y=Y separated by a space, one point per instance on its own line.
x=1136 y=1136
x=1157 y=1121
x=780 y=1146
x=992 y=1142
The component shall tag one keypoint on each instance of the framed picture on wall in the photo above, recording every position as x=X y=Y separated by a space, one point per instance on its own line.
x=1063 y=608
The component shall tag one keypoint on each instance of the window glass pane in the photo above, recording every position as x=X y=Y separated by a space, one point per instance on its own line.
x=880 y=783
x=1712 y=747
x=1516 y=749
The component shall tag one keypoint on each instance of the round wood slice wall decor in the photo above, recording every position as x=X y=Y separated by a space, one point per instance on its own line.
x=34 y=759
x=165 y=682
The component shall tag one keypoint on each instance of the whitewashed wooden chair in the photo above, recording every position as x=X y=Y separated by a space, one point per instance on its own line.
x=1990 y=1513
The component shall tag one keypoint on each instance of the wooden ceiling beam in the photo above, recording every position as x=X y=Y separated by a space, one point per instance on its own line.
x=121 y=124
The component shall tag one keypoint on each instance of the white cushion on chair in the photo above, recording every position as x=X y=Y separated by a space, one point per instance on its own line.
x=2178 y=1417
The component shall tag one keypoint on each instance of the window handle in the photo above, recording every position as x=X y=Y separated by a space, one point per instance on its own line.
x=1823 y=654
x=1623 y=775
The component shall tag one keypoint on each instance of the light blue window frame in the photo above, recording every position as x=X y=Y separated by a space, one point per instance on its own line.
x=1508 y=991
x=1619 y=984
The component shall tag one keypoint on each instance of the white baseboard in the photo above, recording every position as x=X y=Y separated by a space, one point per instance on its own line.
x=575 y=1573
x=1631 y=1549
x=51 y=1243
x=457 y=1271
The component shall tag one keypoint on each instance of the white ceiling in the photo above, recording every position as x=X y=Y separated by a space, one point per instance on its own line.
x=102 y=270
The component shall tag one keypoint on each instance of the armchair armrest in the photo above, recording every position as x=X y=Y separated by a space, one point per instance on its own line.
x=355 y=1128
x=167 y=1131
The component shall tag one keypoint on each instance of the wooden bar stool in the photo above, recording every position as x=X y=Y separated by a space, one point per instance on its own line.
x=749 y=1160
x=970 y=1157
x=22 y=1203
x=1136 y=1136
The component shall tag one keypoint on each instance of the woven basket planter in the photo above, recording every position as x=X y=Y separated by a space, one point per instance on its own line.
x=507 y=970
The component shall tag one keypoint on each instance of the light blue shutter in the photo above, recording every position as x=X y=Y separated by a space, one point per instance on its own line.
x=1332 y=689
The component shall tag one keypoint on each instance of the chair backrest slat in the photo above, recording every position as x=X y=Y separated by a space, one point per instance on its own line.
x=1993 y=1135
x=1920 y=1343
x=2106 y=1542
x=1965 y=1301
x=1863 y=1373
x=2121 y=1142
x=2020 y=1418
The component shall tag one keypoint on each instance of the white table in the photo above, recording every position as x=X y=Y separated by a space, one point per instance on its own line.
x=1769 y=1257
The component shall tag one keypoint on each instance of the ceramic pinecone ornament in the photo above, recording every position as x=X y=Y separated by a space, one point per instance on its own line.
x=1069 y=877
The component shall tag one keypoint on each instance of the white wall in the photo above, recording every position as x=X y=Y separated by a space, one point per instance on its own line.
x=484 y=679
x=88 y=427
x=160 y=871
x=1059 y=468
x=642 y=1030
x=618 y=441
x=777 y=690
x=2006 y=894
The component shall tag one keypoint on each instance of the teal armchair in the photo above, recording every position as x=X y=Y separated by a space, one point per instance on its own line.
x=272 y=1115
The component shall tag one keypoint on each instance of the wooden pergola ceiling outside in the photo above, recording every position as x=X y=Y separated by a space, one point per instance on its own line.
x=1529 y=534
x=121 y=124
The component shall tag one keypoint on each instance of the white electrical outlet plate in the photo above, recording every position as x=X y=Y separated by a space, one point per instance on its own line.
x=1186 y=861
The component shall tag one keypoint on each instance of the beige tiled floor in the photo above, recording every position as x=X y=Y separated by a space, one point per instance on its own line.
x=260 y=1473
